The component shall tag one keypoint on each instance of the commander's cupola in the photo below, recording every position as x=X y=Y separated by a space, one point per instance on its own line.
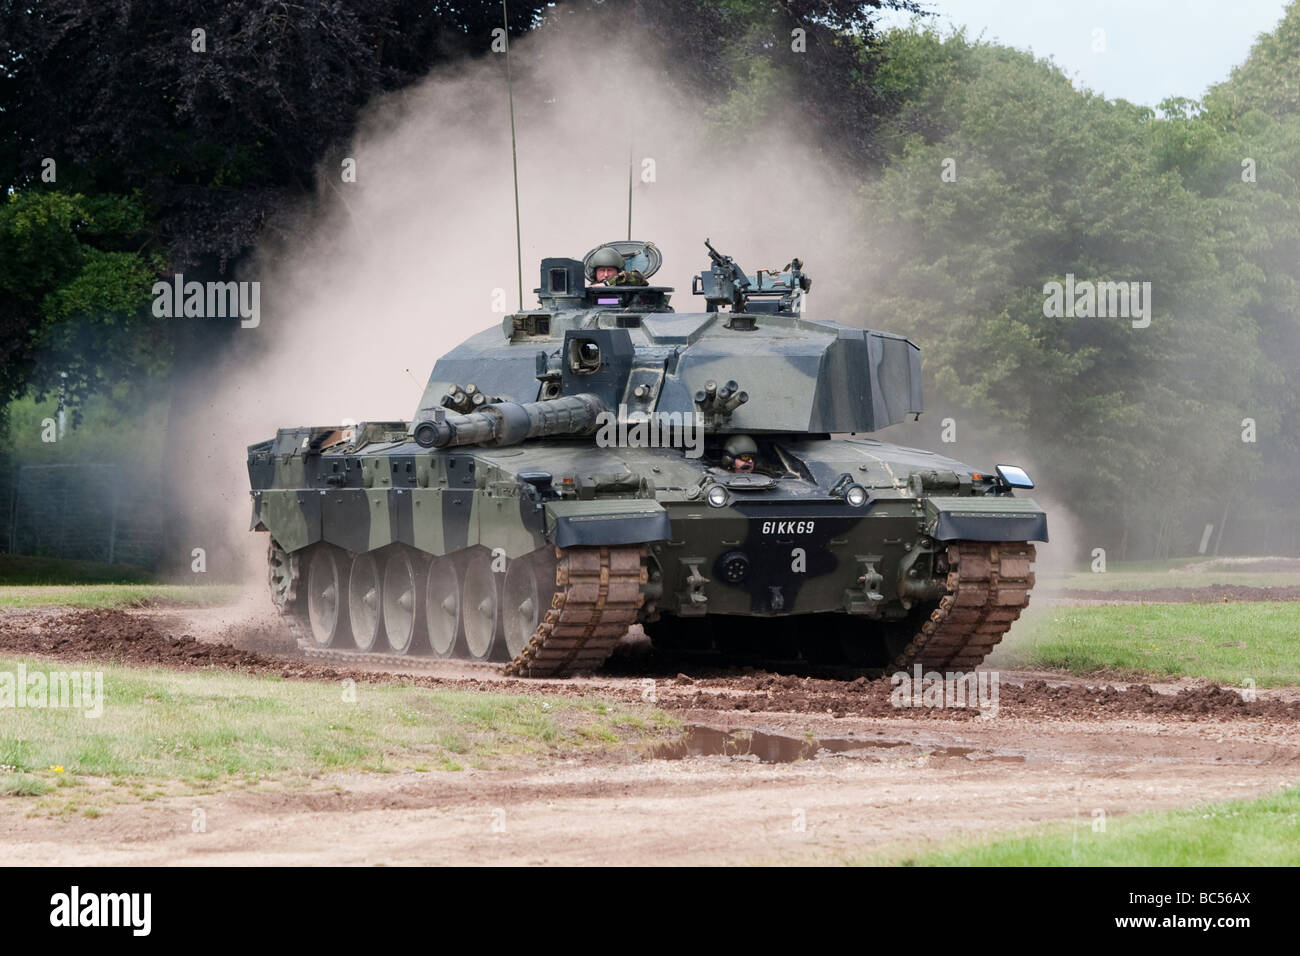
x=572 y=284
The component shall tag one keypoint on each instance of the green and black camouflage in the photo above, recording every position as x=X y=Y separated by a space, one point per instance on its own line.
x=567 y=476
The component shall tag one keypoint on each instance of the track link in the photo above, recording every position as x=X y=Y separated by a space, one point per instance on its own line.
x=988 y=586
x=598 y=594
x=391 y=662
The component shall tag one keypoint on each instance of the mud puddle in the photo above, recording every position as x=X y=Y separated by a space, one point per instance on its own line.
x=698 y=740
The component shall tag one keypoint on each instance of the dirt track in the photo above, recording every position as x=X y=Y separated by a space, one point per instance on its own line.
x=1058 y=749
x=261 y=646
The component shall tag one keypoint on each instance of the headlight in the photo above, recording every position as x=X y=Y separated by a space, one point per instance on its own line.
x=717 y=496
x=856 y=495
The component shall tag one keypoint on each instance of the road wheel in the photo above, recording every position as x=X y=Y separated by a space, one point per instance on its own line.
x=364 y=593
x=327 y=610
x=403 y=603
x=442 y=606
x=481 y=600
x=529 y=587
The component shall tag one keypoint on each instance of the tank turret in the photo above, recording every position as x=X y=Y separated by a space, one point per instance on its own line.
x=627 y=345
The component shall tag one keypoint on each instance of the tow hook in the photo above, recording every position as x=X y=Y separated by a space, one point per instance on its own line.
x=777 y=600
x=697 y=582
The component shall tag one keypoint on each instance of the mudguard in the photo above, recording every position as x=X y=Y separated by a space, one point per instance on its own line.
x=292 y=516
x=985 y=519
x=606 y=522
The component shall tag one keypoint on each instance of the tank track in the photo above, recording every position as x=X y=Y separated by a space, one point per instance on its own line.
x=600 y=591
x=402 y=662
x=988 y=586
x=598 y=594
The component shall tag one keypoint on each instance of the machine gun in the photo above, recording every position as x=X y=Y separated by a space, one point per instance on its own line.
x=773 y=290
x=725 y=282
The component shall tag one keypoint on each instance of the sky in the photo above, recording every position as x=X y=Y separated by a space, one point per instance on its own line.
x=1149 y=49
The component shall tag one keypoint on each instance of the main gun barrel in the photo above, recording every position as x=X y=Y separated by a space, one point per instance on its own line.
x=509 y=423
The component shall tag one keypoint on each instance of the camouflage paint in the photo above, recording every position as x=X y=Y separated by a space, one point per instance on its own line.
x=802 y=547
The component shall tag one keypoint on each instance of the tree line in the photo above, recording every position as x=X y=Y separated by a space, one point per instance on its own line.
x=126 y=154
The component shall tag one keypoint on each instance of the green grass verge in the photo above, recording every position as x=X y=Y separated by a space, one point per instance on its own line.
x=212 y=730
x=43 y=582
x=1261 y=832
x=116 y=595
x=1229 y=643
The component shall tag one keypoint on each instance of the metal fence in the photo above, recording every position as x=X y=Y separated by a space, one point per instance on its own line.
x=88 y=511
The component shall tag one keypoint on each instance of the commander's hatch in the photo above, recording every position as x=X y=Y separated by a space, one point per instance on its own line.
x=640 y=258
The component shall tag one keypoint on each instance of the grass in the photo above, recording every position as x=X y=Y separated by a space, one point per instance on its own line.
x=216 y=730
x=1229 y=643
x=44 y=582
x=1260 y=832
x=23 y=785
x=116 y=595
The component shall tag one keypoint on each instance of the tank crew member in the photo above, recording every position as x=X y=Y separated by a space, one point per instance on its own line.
x=606 y=263
x=740 y=453
x=628 y=277
x=607 y=269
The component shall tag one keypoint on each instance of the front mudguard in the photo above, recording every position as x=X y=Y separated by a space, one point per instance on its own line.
x=607 y=522
x=985 y=518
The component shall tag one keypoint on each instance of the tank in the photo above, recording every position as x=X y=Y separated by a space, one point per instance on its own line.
x=602 y=462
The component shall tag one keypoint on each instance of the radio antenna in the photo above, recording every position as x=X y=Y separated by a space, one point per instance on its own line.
x=630 y=165
x=514 y=157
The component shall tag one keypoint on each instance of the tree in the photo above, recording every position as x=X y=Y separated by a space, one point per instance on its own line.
x=1047 y=182
x=739 y=54
x=176 y=131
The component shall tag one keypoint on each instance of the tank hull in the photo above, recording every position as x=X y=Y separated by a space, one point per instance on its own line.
x=541 y=556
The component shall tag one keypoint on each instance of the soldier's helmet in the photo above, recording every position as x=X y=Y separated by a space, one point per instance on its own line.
x=605 y=256
x=738 y=445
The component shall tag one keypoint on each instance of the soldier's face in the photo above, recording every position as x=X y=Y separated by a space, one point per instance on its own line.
x=605 y=272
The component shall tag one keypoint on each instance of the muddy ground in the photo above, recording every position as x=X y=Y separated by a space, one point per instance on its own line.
x=876 y=778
